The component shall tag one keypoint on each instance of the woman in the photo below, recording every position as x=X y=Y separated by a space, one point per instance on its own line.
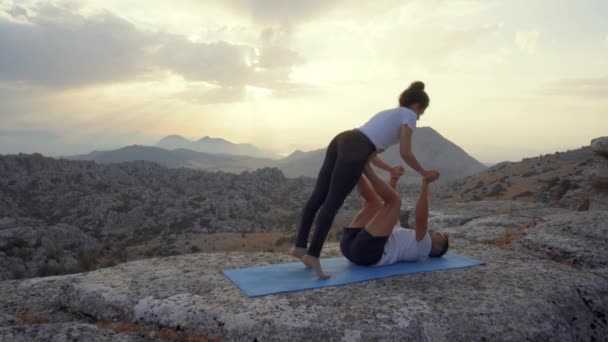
x=375 y=237
x=346 y=156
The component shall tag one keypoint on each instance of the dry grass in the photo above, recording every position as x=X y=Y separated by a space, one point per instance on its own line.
x=510 y=235
x=162 y=334
x=274 y=242
x=554 y=256
x=29 y=317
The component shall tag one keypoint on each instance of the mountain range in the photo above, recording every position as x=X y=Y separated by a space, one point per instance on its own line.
x=214 y=146
x=432 y=150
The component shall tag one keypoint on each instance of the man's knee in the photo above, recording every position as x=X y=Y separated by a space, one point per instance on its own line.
x=374 y=204
x=394 y=200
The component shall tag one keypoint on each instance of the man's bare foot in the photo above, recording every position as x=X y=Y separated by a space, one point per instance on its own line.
x=315 y=264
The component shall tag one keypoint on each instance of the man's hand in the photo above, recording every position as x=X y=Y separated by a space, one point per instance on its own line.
x=431 y=176
x=397 y=171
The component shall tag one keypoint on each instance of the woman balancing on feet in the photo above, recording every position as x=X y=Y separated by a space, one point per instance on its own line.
x=346 y=157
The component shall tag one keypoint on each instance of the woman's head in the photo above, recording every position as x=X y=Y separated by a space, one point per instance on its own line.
x=440 y=244
x=415 y=98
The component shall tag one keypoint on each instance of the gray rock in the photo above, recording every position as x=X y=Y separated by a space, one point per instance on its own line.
x=577 y=238
x=446 y=215
x=8 y=320
x=600 y=179
x=600 y=145
x=67 y=332
x=495 y=302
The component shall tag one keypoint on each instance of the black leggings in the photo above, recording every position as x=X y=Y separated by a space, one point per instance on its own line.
x=344 y=162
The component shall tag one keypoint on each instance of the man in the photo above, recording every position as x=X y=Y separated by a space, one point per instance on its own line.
x=375 y=238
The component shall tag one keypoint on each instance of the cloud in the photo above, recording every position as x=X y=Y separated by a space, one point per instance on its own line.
x=527 y=40
x=591 y=88
x=428 y=45
x=57 y=47
x=205 y=95
x=272 y=12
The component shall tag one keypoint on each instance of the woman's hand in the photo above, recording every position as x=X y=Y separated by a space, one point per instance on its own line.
x=431 y=176
x=397 y=171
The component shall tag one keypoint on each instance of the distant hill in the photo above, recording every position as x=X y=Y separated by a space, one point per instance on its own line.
x=432 y=150
x=214 y=146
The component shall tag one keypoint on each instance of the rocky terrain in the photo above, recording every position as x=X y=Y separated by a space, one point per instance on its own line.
x=562 y=179
x=545 y=279
x=545 y=276
x=61 y=216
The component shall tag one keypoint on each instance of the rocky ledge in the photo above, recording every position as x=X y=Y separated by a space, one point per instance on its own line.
x=545 y=278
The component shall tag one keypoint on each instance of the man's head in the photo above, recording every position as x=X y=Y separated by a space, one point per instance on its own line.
x=440 y=244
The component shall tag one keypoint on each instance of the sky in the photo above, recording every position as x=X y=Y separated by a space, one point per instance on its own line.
x=507 y=79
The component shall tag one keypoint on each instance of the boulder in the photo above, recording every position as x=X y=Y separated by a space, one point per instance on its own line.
x=600 y=146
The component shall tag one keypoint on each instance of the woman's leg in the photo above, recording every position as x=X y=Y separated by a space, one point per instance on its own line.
x=316 y=200
x=353 y=150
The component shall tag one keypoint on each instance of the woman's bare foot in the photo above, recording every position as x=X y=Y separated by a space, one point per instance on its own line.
x=298 y=252
x=315 y=264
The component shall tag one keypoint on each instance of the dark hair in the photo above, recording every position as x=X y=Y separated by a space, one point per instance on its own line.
x=414 y=94
x=444 y=248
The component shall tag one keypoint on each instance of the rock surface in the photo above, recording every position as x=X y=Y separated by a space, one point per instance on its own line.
x=599 y=200
x=529 y=289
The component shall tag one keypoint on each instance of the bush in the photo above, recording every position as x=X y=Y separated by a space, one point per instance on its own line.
x=47 y=271
x=497 y=190
x=87 y=259
x=195 y=249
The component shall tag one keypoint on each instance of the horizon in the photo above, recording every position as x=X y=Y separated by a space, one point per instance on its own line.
x=507 y=80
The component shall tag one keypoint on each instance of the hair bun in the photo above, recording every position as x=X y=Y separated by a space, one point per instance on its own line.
x=418 y=85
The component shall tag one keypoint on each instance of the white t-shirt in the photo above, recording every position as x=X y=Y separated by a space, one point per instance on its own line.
x=384 y=128
x=402 y=246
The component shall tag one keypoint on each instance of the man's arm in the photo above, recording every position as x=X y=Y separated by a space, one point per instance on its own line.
x=405 y=149
x=422 y=211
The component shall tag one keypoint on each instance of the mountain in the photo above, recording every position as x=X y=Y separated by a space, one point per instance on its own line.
x=133 y=153
x=213 y=146
x=177 y=158
x=172 y=142
x=432 y=150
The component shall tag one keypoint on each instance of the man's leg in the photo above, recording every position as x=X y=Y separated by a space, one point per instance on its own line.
x=383 y=223
x=372 y=204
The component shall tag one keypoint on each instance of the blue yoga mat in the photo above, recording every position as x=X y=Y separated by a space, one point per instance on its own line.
x=272 y=279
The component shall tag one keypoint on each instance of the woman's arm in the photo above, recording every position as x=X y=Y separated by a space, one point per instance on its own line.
x=379 y=163
x=395 y=171
x=405 y=149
